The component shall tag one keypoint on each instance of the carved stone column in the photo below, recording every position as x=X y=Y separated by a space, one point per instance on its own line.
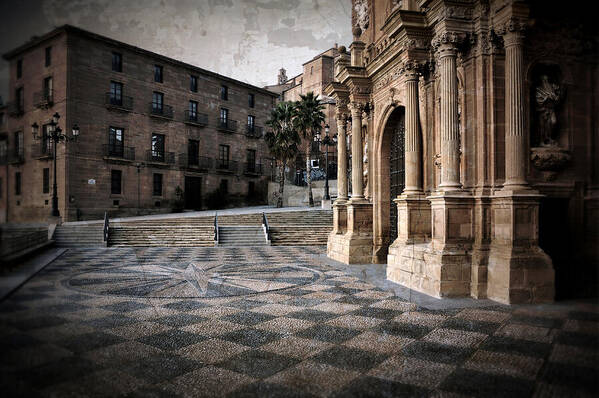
x=413 y=151
x=446 y=46
x=341 y=157
x=516 y=133
x=356 y=152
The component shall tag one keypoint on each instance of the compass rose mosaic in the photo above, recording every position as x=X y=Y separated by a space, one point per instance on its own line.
x=192 y=280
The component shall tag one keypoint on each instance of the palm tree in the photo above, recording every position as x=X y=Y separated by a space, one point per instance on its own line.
x=282 y=140
x=309 y=120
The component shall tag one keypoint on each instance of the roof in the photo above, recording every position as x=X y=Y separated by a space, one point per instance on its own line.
x=69 y=29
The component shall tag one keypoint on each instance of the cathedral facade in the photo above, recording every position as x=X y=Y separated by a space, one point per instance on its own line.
x=474 y=147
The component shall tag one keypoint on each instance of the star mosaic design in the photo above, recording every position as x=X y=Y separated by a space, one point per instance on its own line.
x=274 y=322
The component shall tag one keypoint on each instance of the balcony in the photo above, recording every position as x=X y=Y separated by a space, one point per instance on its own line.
x=199 y=163
x=230 y=166
x=122 y=103
x=16 y=158
x=161 y=110
x=228 y=125
x=41 y=151
x=43 y=99
x=254 y=131
x=15 y=108
x=116 y=152
x=199 y=119
x=160 y=158
x=252 y=168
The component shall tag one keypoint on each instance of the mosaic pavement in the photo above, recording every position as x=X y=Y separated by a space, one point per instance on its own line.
x=273 y=321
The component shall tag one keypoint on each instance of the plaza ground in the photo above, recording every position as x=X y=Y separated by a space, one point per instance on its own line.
x=277 y=321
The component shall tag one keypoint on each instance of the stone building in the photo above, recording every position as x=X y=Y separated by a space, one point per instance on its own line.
x=148 y=125
x=482 y=123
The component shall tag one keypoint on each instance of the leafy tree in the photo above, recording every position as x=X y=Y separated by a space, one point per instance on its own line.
x=282 y=139
x=309 y=120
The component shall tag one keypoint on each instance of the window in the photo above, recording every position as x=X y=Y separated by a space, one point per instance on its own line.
x=115 y=142
x=46 y=181
x=224 y=93
x=117 y=62
x=157 y=186
x=223 y=157
x=48 y=56
x=20 y=99
x=115 y=181
x=3 y=150
x=158 y=147
x=251 y=120
x=18 y=183
x=251 y=160
x=19 y=144
x=224 y=186
x=19 y=68
x=251 y=100
x=46 y=141
x=116 y=93
x=193 y=110
x=157 y=100
x=193 y=151
x=158 y=73
x=224 y=116
x=193 y=83
x=48 y=89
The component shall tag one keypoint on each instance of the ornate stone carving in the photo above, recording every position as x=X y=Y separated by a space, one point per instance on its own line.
x=548 y=96
x=458 y=12
x=437 y=160
x=452 y=39
x=362 y=14
x=411 y=69
x=549 y=160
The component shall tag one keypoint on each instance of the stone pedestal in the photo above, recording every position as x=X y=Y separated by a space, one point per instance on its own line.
x=452 y=231
x=518 y=271
x=480 y=246
x=325 y=204
x=355 y=246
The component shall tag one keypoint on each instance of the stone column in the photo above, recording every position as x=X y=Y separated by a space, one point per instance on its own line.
x=356 y=151
x=341 y=157
x=516 y=133
x=446 y=45
x=413 y=170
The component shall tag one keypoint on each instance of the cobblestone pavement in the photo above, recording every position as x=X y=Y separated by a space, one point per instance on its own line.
x=274 y=321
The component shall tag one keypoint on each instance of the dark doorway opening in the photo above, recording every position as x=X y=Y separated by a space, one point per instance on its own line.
x=193 y=193
x=396 y=166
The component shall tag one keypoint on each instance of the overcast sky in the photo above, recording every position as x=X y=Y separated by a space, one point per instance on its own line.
x=247 y=40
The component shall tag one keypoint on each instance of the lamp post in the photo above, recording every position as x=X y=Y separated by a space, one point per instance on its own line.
x=55 y=135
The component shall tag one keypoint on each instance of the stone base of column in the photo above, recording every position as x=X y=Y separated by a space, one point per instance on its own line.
x=519 y=271
x=355 y=246
x=339 y=225
x=480 y=247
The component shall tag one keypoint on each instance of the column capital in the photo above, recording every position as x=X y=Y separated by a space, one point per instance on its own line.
x=512 y=31
x=446 y=43
x=356 y=108
x=341 y=117
x=412 y=69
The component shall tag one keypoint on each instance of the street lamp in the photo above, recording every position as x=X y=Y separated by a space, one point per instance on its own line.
x=332 y=142
x=55 y=135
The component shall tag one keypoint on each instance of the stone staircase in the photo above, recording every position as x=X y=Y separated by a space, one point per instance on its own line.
x=181 y=232
x=300 y=228
x=79 y=235
x=246 y=235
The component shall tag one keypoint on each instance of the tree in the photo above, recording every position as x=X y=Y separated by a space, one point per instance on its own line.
x=282 y=139
x=309 y=120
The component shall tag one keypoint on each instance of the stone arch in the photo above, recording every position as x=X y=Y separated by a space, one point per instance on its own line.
x=381 y=191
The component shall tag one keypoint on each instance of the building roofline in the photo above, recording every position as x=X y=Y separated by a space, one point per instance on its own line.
x=70 y=29
x=317 y=57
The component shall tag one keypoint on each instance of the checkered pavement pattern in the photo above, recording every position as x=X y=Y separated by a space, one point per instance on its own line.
x=333 y=336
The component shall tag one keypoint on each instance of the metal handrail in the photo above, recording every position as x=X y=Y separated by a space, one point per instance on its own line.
x=265 y=226
x=216 y=227
x=105 y=231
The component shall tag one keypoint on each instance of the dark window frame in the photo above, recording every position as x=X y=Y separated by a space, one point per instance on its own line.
x=46 y=180
x=117 y=62
x=224 y=92
x=116 y=141
x=158 y=73
x=250 y=158
x=20 y=98
x=18 y=183
x=116 y=184
x=19 y=144
x=224 y=186
x=193 y=152
x=223 y=160
x=157 y=101
x=193 y=109
x=19 y=68
x=46 y=139
x=157 y=184
x=251 y=100
x=158 y=146
x=193 y=83
x=48 y=56
x=116 y=93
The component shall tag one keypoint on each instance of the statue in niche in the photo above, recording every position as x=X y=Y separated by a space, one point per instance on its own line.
x=361 y=14
x=548 y=96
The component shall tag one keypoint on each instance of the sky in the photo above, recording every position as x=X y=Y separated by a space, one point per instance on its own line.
x=248 y=40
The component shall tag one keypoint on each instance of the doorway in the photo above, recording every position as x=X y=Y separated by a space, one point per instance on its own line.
x=193 y=193
x=396 y=169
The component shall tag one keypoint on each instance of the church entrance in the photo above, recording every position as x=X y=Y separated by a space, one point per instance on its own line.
x=396 y=166
x=193 y=193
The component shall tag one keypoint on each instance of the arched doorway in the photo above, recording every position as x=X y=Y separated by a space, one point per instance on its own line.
x=396 y=126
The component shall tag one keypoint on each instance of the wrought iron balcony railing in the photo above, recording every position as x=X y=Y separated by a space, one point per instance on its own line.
x=160 y=157
x=41 y=151
x=230 y=166
x=16 y=158
x=15 y=108
x=252 y=168
x=227 y=124
x=118 y=152
x=254 y=131
x=43 y=99
x=121 y=102
x=200 y=119
x=195 y=162
x=161 y=110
